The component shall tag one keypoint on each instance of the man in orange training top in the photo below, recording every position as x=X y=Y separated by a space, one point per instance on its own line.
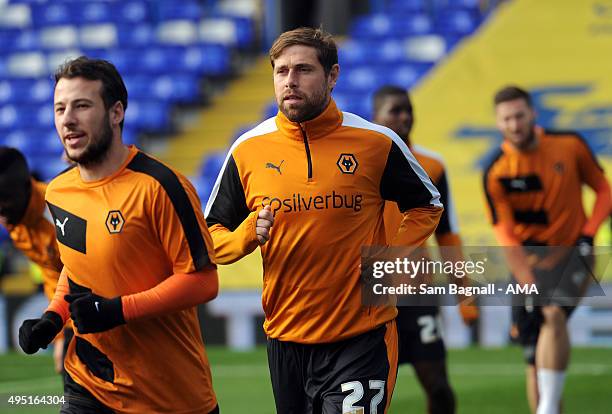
x=308 y=186
x=137 y=260
x=533 y=189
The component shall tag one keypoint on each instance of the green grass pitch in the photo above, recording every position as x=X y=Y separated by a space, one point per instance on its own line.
x=485 y=381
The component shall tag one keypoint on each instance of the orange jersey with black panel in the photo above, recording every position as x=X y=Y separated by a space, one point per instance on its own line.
x=34 y=236
x=326 y=181
x=122 y=235
x=447 y=231
x=538 y=191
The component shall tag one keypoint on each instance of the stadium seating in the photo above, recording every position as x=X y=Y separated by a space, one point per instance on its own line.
x=164 y=49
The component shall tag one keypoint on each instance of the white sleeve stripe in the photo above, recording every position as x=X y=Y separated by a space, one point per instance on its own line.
x=267 y=126
x=352 y=120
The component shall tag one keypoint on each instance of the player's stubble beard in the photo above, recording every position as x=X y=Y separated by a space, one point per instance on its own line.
x=529 y=141
x=311 y=107
x=97 y=149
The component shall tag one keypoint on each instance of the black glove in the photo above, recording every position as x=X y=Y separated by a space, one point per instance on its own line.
x=38 y=333
x=585 y=245
x=92 y=313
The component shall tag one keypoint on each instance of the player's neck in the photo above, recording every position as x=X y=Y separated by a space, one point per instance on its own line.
x=527 y=146
x=113 y=160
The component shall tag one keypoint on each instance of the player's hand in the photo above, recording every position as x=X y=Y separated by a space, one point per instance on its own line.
x=469 y=313
x=265 y=220
x=91 y=313
x=35 y=334
x=585 y=245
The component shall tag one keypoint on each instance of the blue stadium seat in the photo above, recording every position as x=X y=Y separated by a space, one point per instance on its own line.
x=404 y=6
x=24 y=41
x=59 y=37
x=171 y=88
x=384 y=25
x=11 y=90
x=102 y=35
x=456 y=22
x=38 y=142
x=52 y=14
x=14 y=139
x=157 y=60
x=355 y=51
x=138 y=35
x=26 y=90
x=148 y=116
x=391 y=51
x=176 y=88
x=211 y=165
x=407 y=75
x=205 y=60
x=94 y=12
x=47 y=167
x=244 y=28
x=9 y=39
x=15 y=16
x=13 y=117
x=355 y=103
x=131 y=12
x=471 y=5
x=129 y=135
x=173 y=10
x=203 y=188
x=359 y=79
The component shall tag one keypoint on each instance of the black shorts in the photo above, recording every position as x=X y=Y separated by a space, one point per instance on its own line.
x=528 y=322
x=77 y=400
x=560 y=286
x=336 y=377
x=419 y=334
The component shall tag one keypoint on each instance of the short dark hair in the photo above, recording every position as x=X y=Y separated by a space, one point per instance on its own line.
x=385 y=91
x=113 y=88
x=323 y=42
x=511 y=93
x=13 y=166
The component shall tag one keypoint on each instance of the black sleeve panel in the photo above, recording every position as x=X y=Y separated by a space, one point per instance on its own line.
x=400 y=182
x=444 y=226
x=229 y=206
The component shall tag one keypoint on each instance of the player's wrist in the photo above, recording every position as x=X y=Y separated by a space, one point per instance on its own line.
x=114 y=308
x=55 y=319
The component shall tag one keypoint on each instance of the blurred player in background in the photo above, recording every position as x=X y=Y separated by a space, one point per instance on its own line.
x=533 y=189
x=22 y=213
x=308 y=186
x=420 y=340
x=135 y=249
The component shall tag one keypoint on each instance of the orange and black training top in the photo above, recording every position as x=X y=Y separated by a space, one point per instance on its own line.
x=447 y=232
x=326 y=181
x=126 y=234
x=538 y=191
x=34 y=235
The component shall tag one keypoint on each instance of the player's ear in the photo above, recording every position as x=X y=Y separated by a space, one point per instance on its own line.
x=117 y=113
x=333 y=75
